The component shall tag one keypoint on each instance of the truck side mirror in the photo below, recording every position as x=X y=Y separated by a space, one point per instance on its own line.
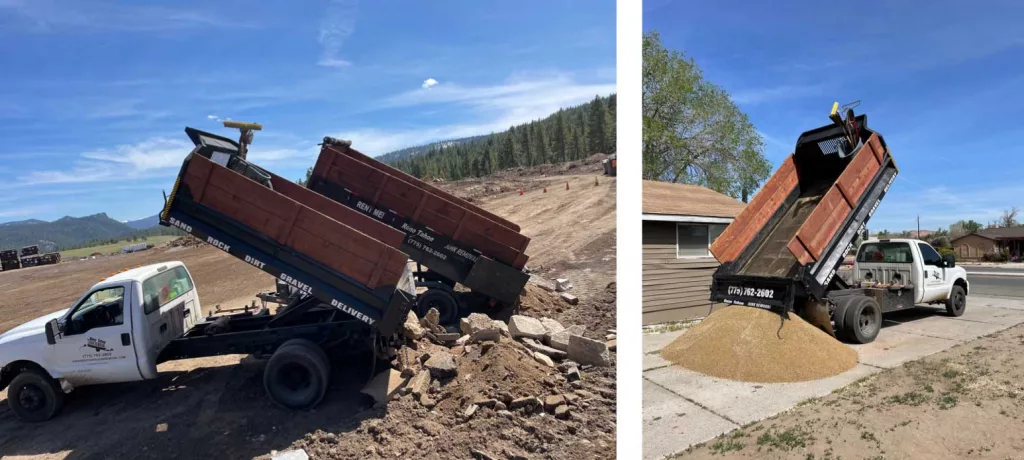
x=950 y=260
x=52 y=329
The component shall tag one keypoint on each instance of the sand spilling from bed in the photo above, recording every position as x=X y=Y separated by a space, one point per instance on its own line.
x=743 y=343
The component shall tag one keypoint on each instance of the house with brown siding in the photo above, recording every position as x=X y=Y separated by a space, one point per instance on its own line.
x=1008 y=240
x=680 y=222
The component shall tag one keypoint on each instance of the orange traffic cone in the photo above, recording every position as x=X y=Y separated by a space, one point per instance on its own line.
x=545 y=190
x=567 y=186
x=521 y=192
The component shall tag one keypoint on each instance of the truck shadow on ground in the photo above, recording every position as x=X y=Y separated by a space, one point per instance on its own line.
x=912 y=314
x=205 y=412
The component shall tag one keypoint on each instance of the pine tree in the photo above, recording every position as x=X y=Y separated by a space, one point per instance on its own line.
x=598 y=116
x=559 y=141
x=539 y=150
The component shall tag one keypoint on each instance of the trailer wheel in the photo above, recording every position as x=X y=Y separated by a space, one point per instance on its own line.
x=957 y=302
x=440 y=299
x=34 y=396
x=839 y=317
x=297 y=375
x=863 y=319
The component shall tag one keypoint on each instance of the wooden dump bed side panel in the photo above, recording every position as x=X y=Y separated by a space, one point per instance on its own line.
x=756 y=214
x=337 y=211
x=858 y=174
x=363 y=258
x=398 y=173
x=842 y=197
x=422 y=206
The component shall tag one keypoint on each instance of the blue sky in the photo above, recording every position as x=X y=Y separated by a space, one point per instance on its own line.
x=943 y=82
x=95 y=95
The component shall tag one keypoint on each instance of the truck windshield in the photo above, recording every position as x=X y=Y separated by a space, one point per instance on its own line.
x=885 y=252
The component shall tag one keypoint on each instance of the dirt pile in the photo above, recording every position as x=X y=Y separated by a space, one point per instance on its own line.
x=596 y=311
x=494 y=398
x=188 y=241
x=746 y=344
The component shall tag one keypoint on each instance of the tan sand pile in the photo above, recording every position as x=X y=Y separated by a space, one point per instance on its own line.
x=742 y=343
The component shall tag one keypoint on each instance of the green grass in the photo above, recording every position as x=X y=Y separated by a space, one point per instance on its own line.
x=106 y=249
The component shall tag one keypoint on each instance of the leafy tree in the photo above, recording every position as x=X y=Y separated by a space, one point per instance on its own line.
x=964 y=227
x=1009 y=218
x=692 y=130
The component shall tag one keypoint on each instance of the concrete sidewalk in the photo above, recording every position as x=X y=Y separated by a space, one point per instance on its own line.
x=682 y=408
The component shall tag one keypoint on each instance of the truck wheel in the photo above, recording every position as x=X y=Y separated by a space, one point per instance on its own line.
x=957 y=302
x=297 y=375
x=34 y=397
x=443 y=301
x=863 y=320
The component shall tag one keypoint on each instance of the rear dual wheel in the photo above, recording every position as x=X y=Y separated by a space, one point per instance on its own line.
x=858 y=319
x=297 y=375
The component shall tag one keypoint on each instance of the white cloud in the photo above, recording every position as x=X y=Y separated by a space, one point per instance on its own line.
x=338 y=24
x=212 y=117
x=497 y=107
x=429 y=82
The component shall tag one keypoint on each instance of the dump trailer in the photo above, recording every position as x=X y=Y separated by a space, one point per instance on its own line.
x=456 y=240
x=30 y=251
x=323 y=250
x=782 y=251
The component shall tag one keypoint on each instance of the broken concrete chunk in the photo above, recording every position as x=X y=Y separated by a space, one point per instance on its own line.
x=526 y=401
x=524 y=326
x=551 y=326
x=462 y=340
x=481 y=455
x=490 y=334
x=500 y=406
x=571 y=299
x=562 y=412
x=474 y=322
x=560 y=339
x=610 y=337
x=297 y=454
x=573 y=374
x=553 y=353
x=385 y=385
x=566 y=365
x=501 y=326
x=432 y=320
x=553 y=401
x=441 y=365
x=543 y=283
x=468 y=413
x=562 y=284
x=406 y=360
x=412 y=329
x=447 y=337
x=489 y=402
x=587 y=351
x=420 y=383
x=543 y=359
x=427 y=401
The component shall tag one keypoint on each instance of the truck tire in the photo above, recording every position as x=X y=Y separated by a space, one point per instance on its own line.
x=957 y=301
x=863 y=320
x=34 y=396
x=440 y=299
x=839 y=317
x=297 y=375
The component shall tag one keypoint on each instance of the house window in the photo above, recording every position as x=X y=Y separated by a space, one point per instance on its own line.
x=693 y=240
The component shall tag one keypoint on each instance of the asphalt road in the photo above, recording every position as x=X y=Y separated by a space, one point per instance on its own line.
x=1003 y=286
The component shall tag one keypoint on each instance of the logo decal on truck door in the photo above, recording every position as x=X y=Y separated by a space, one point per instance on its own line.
x=97 y=344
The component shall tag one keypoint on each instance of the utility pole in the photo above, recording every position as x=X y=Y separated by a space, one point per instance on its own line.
x=918 y=226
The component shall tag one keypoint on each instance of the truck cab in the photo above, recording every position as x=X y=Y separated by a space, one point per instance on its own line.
x=912 y=263
x=114 y=333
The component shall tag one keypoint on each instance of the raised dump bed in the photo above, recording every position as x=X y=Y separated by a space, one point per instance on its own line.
x=315 y=245
x=786 y=244
x=452 y=237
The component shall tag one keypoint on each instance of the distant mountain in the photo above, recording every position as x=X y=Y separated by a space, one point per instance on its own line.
x=61 y=233
x=402 y=154
x=144 y=223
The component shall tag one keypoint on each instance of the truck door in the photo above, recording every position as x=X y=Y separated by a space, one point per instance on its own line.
x=934 y=275
x=169 y=304
x=95 y=345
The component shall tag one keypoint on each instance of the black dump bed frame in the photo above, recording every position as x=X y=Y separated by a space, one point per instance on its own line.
x=777 y=284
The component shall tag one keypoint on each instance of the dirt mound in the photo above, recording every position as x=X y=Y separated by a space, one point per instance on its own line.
x=746 y=344
x=188 y=241
x=406 y=427
x=594 y=312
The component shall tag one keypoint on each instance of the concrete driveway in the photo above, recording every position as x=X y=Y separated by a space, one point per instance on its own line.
x=682 y=408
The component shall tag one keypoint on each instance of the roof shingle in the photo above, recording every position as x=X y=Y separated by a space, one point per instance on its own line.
x=687 y=200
